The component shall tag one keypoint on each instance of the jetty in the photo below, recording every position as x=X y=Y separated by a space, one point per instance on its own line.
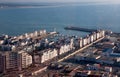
x=80 y=29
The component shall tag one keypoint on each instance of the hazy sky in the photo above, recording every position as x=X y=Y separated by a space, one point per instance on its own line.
x=111 y=1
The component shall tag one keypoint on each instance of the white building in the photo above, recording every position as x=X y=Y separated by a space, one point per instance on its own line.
x=65 y=48
x=81 y=42
x=35 y=33
x=71 y=43
x=91 y=38
x=98 y=35
x=1 y=41
x=85 y=41
x=103 y=33
x=61 y=50
x=94 y=36
x=48 y=54
x=26 y=59
x=26 y=35
x=88 y=39
x=42 y=32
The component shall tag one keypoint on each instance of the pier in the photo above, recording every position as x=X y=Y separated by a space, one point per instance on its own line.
x=80 y=29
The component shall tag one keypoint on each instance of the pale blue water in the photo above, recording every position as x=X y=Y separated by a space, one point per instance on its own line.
x=15 y=21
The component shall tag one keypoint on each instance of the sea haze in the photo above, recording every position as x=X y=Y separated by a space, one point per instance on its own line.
x=18 y=19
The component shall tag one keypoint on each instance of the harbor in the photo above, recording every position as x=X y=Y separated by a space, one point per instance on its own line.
x=32 y=53
x=40 y=49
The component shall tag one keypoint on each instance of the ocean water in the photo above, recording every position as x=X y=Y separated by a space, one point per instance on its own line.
x=16 y=21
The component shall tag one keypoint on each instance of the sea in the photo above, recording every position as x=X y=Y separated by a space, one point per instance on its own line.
x=20 y=20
